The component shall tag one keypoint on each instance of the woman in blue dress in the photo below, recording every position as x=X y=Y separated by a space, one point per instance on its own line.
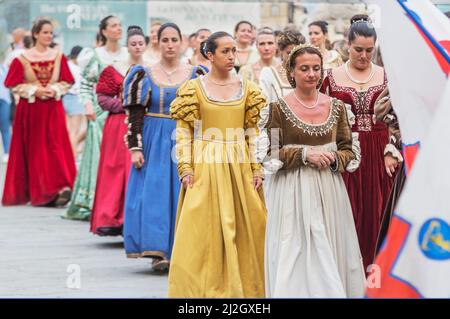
x=153 y=187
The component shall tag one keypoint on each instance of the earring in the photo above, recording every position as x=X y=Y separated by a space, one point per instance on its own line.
x=291 y=81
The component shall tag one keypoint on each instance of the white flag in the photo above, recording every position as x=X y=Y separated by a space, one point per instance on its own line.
x=415 y=257
x=414 y=38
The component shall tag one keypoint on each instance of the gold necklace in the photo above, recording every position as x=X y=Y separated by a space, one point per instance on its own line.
x=169 y=73
x=219 y=84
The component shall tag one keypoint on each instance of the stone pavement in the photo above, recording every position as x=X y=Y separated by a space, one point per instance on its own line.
x=45 y=256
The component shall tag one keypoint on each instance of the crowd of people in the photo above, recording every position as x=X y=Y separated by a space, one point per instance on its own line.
x=257 y=164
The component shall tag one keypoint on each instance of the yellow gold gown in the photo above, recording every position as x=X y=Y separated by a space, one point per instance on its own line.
x=219 y=237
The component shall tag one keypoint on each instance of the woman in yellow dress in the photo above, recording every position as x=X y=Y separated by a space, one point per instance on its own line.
x=219 y=237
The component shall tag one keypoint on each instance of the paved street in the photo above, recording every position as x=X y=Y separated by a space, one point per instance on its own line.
x=41 y=254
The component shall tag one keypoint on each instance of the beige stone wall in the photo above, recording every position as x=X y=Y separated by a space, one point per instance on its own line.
x=275 y=15
x=337 y=15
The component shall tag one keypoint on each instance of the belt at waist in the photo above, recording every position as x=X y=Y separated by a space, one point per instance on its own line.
x=166 y=116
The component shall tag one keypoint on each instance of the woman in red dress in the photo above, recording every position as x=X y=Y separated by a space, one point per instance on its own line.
x=115 y=159
x=358 y=83
x=41 y=169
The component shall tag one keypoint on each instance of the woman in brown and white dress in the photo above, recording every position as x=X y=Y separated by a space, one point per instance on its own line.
x=311 y=247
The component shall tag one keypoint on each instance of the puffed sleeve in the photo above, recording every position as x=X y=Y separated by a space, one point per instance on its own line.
x=385 y=112
x=15 y=80
x=353 y=165
x=185 y=109
x=344 y=153
x=255 y=101
x=108 y=82
x=274 y=133
x=109 y=90
x=65 y=81
x=90 y=71
x=136 y=96
x=201 y=70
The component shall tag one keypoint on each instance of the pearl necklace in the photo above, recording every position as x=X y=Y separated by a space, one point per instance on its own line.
x=347 y=72
x=304 y=105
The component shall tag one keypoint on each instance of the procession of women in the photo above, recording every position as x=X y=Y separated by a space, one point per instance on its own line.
x=262 y=164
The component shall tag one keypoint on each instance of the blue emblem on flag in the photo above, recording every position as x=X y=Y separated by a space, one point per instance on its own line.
x=434 y=239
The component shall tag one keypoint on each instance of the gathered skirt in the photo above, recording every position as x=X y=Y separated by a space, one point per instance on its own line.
x=152 y=194
x=82 y=200
x=41 y=161
x=112 y=177
x=311 y=246
x=219 y=239
x=369 y=188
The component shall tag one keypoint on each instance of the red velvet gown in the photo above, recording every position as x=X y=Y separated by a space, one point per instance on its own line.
x=41 y=162
x=115 y=159
x=369 y=186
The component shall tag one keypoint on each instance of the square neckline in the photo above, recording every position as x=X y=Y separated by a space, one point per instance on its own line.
x=168 y=86
x=213 y=101
x=330 y=113
x=41 y=61
x=334 y=84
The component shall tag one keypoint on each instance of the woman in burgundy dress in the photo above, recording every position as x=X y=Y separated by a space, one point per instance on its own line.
x=358 y=83
x=41 y=167
x=115 y=159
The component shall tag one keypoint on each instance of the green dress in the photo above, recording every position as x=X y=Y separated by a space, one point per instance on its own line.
x=92 y=62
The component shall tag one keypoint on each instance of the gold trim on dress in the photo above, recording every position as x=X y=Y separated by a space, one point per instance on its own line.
x=279 y=80
x=165 y=116
x=161 y=100
x=231 y=102
x=312 y=129
x=30 y=73
x=165 y=85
